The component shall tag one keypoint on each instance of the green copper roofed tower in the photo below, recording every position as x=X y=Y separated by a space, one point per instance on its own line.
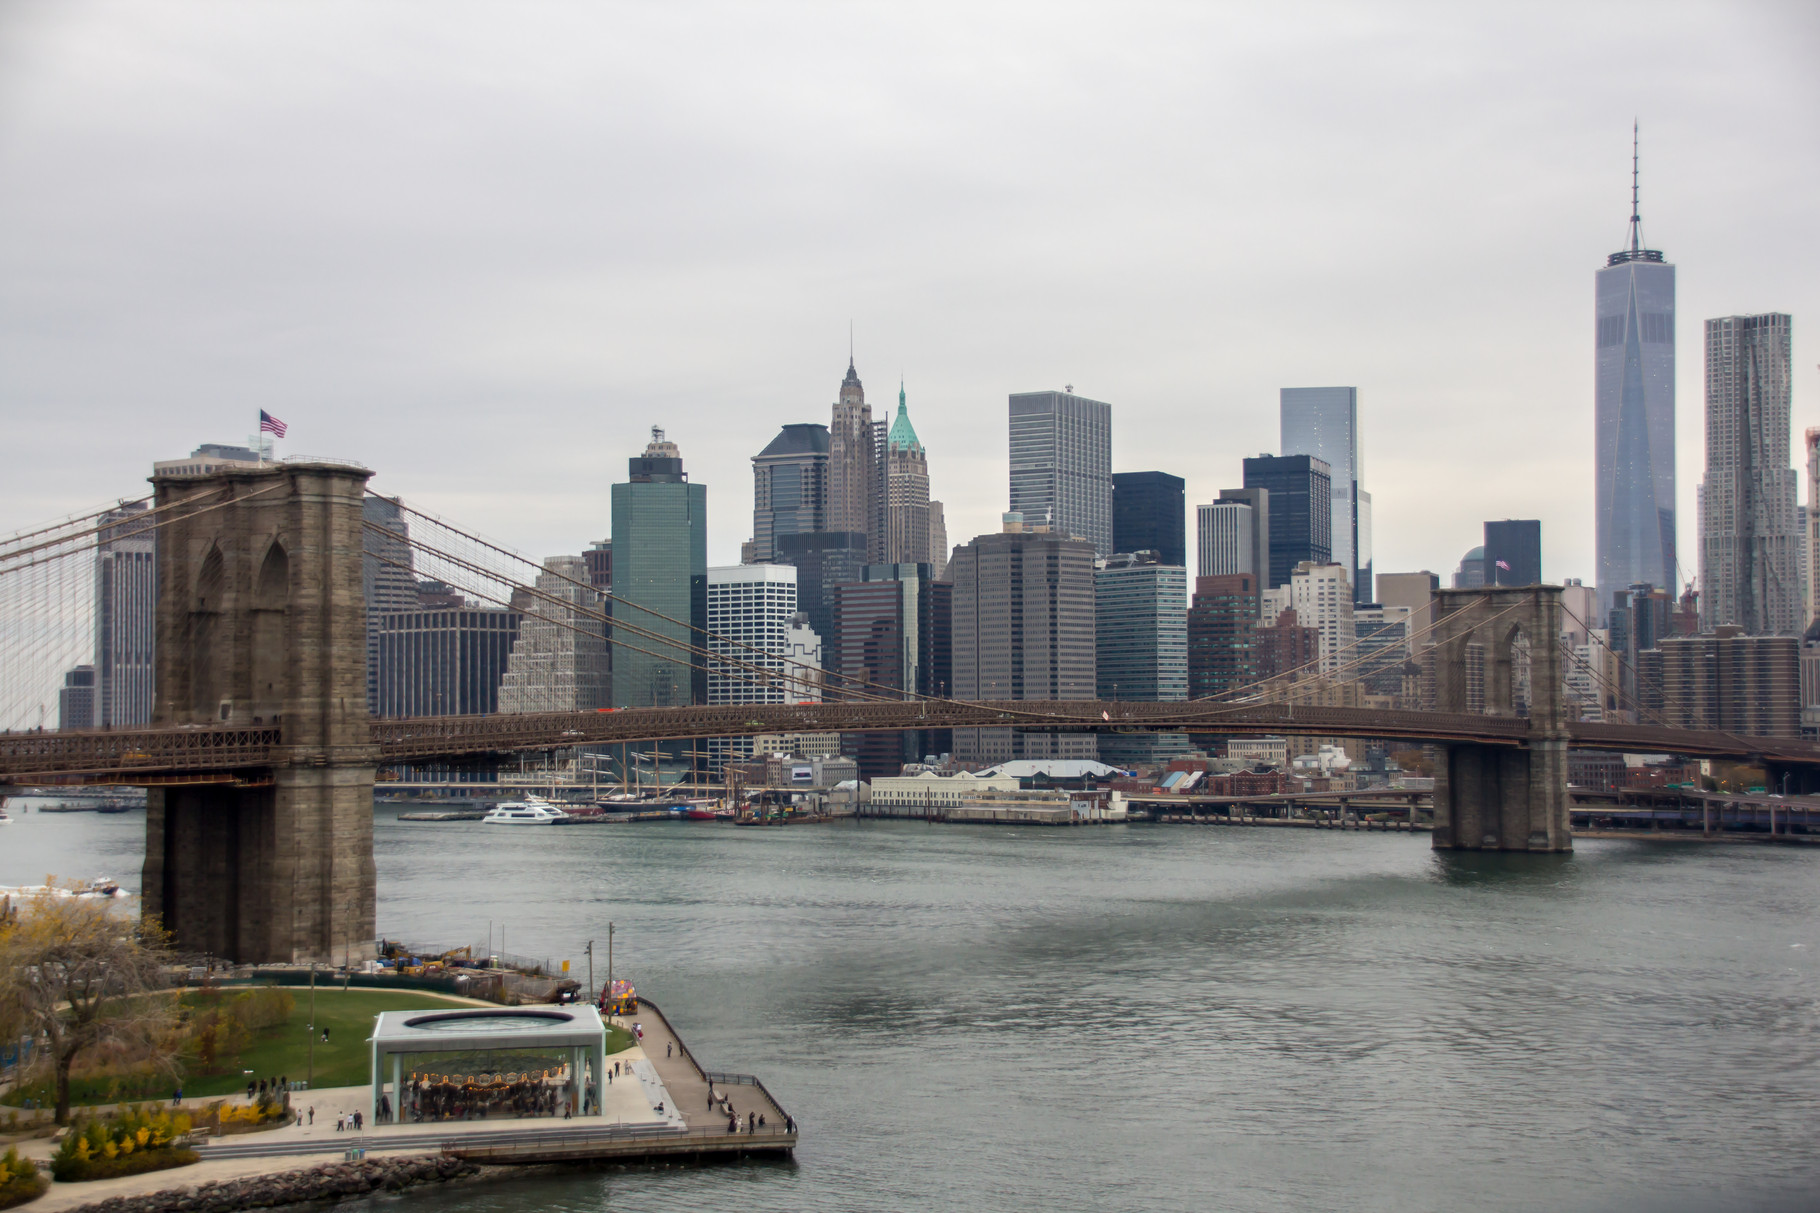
x=903 y=434
x=909 y=536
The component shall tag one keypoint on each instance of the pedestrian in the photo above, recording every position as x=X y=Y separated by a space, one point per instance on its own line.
x=325 y=1036
x=360 y=1122
x=789 y=1124
x=667 y=1048
x=710 y=1096
x=340 y=1123
x=312 y=1113
x=177 y=1096
x=249 y=1089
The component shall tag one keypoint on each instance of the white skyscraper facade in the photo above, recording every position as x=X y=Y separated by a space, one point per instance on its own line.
x=1061 y=464
x=1324 y=422
x=751 y=610
x=1634 y=418
x=754 y=632
x=1224 y=537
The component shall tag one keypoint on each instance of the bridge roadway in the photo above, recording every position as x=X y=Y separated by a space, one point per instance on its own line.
x=229 y=753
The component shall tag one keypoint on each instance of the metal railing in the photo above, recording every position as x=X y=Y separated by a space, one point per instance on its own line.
x=676 y=1142
x=717 y=1077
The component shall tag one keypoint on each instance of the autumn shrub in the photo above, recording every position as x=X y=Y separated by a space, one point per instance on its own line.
x=134 y=1141
x=253 y=1114
x=19 y=1180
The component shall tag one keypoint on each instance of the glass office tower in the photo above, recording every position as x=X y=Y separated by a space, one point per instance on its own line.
x=660 y=581
x=1300 y=512
x=1324 y=422
x=1634 y=417
x=1149 y=512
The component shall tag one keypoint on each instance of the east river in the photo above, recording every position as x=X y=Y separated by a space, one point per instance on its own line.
x=1158 y=1017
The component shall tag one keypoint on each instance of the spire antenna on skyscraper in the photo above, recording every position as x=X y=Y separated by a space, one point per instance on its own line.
x=1635 y=251
x=1636 y=216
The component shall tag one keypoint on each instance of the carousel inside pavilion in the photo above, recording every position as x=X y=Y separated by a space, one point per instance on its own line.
x=487 y=1063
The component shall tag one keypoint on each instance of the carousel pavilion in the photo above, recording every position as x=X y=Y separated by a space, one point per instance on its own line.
x=511 y=1061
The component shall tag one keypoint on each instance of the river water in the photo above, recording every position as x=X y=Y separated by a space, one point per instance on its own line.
x=1159 y=1017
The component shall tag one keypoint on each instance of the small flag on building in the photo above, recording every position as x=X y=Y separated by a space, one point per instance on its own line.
x=269 y=424
x=1501 y=564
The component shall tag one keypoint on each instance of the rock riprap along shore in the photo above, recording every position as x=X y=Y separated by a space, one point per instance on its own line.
x=329 y=1182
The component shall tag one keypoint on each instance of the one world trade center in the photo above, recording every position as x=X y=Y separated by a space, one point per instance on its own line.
x=1634 y=414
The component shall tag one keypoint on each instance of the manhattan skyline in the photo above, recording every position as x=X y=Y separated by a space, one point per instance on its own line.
x=425 y=279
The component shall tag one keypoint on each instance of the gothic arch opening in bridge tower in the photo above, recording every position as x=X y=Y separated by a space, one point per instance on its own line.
x=271 y=605
x=1508 y=689
x=207 y=602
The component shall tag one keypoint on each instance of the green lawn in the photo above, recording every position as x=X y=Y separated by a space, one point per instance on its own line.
x=285 y=1051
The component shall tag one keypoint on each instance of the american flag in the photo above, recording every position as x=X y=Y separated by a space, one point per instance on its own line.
x=1501 y=564
x=269 y=424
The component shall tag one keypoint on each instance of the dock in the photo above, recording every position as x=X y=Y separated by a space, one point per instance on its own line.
x=1397 y=810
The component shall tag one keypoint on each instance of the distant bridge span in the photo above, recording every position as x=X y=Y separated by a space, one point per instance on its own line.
x=178 y=755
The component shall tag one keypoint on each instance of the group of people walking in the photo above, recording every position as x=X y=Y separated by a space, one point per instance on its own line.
x=754 y=1120
x=261 y=1091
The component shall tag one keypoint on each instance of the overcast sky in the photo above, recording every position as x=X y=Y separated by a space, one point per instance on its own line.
x=483 y=248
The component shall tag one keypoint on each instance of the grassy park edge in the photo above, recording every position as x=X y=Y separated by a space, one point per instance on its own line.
x=344 y=1060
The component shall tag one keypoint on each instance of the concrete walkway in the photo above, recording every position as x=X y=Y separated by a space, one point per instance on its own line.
x=688 y=1082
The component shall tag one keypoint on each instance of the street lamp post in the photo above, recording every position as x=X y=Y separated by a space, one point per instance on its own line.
x=310 y=1073
x=609 y=962
x=590 y=951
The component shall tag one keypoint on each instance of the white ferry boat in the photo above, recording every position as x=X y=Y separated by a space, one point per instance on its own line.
x=531 y=811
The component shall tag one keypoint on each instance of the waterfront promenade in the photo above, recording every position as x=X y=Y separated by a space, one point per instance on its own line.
x=659 y=1072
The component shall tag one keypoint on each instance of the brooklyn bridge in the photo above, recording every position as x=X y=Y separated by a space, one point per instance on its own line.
x=261 y=757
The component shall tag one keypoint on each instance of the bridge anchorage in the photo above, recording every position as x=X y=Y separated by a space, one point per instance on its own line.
x=261 y=622
x=1498 y=652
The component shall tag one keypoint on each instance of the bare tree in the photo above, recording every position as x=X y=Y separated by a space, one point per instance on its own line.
x=80 y=977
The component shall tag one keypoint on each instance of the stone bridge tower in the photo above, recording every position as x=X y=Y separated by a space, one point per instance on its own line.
x=261 y=621
x=1498 y=652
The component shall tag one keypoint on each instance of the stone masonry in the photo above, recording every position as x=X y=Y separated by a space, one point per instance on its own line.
x=261 y=621
x=1499 y=651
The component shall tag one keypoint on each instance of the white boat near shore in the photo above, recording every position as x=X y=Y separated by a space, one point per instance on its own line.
x=531 y=811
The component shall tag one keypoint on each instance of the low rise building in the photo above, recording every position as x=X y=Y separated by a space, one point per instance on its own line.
x=1259 y=751
x=931 y=789
x=800 y=745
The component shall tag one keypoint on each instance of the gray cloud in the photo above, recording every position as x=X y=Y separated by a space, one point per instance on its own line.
x=484 y=248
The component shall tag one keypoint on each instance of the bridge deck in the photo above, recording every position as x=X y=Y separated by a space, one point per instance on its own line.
x=191 y=753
